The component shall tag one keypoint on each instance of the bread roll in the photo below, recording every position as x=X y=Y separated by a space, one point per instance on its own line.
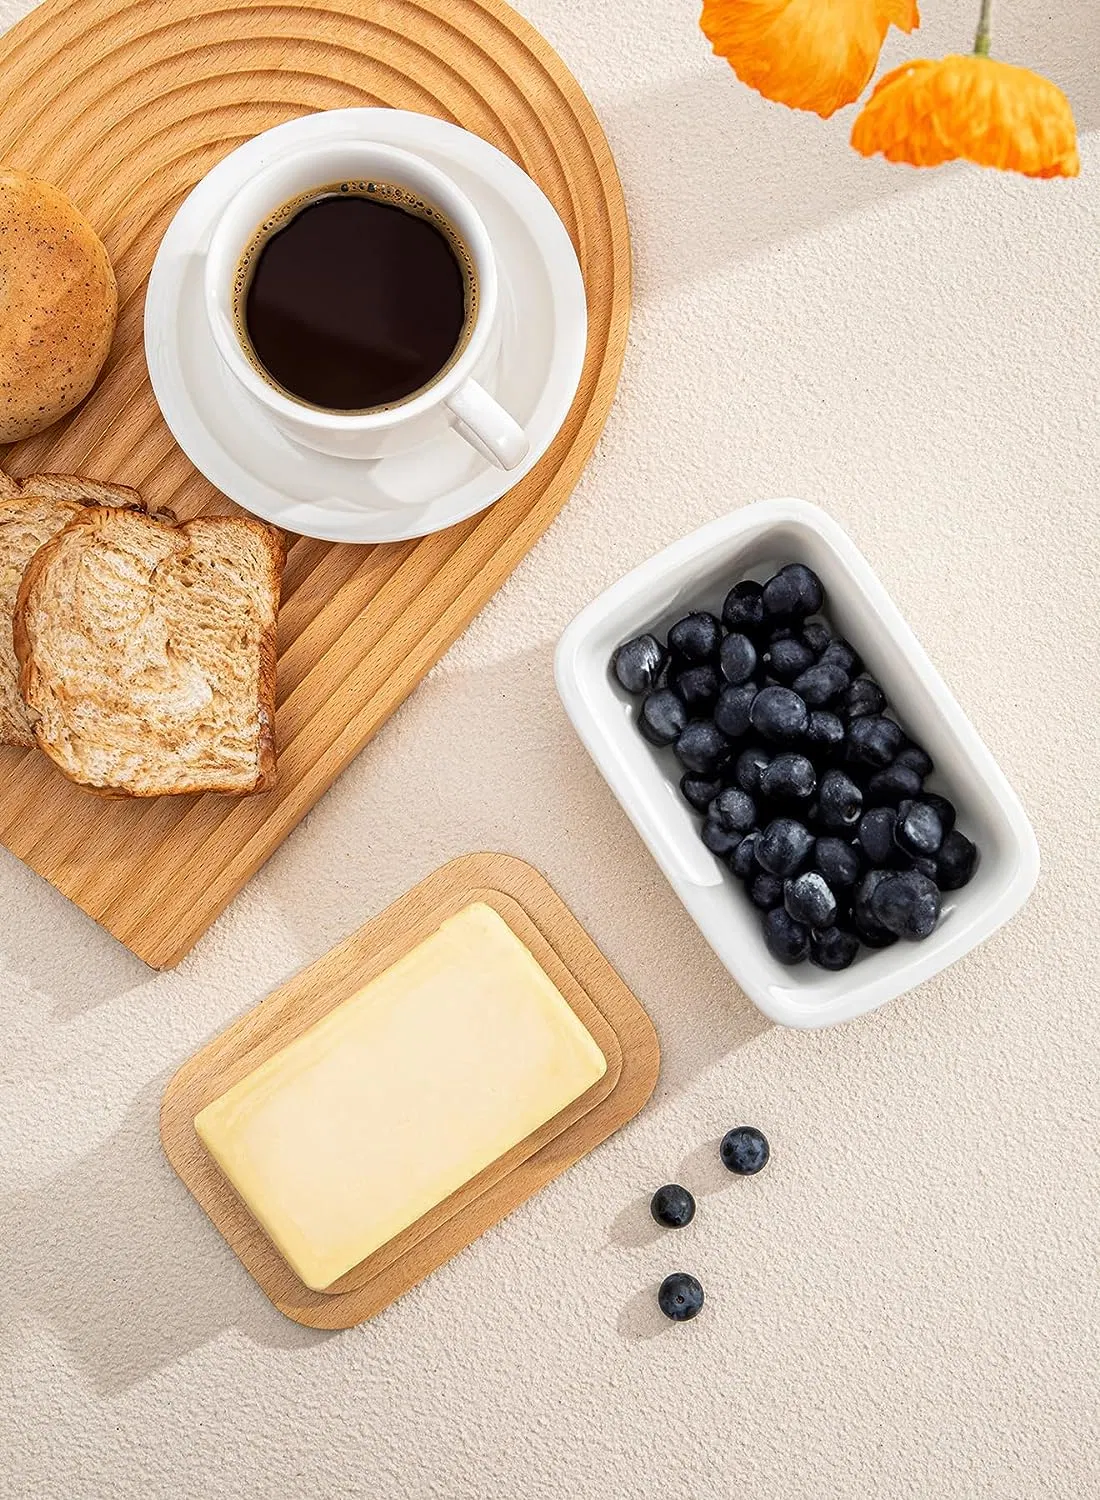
x=58 y=303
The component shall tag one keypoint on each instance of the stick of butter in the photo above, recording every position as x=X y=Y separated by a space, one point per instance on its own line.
x=399 y=1095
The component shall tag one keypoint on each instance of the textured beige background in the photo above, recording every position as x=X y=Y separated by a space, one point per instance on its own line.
x=906 y=1303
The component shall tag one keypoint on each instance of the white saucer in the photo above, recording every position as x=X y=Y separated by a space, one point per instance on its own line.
x=544 y=329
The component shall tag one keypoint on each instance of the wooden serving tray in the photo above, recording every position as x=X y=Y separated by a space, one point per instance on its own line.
x=125 y=104
x=541 y=920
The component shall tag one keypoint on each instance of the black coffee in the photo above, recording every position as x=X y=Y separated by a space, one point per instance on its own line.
x=355 y=296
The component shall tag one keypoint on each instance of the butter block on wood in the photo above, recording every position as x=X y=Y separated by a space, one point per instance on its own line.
x=400 y=1095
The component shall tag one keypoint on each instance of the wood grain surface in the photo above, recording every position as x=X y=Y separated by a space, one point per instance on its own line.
x=559 y=943
x=126 y=106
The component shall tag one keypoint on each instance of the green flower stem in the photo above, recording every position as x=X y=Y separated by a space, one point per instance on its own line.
x=981 y=40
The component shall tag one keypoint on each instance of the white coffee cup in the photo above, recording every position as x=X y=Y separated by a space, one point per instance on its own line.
x=455 y=399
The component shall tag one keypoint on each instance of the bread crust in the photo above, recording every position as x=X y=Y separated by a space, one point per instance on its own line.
x=274 y=546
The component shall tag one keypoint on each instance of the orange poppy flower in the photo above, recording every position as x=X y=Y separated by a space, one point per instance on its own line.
x=808 y=54
x=974 y=108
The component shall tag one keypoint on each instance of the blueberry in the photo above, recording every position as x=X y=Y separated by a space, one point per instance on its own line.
x=744 y=1150
x=663 y=717
x=919 y=831
x=732 y=711
x=820 y=684
x=786 y=659
x=673 y=1206
x=750 y=769
x=699 y=791
x=916 y=759
x=697 y=638
x=779 y=715
x=874 y=741
x=784 y=847
x=737 y=658
x=789 y=778
x=876 y=834
x=809 y=900
x=907 y=904
x=778 y=632
x=793 y=593
x=837 y=861
x=680 y=1297
x=863 y=697
x=944 y=809
x=744 y=607
x=743 y=863
x=833 y=948
x=839 y=653
x=639 y=663
x=956 y=861
x=870 y=929
x=766 y=891
x=817 y=636
x=840 y=801
x=786 y=940
x=735 y=810
x=925 y=864
x=888 y=788
x=825 y=731
x=702 y=748
x=698 y=689
x=719 y=840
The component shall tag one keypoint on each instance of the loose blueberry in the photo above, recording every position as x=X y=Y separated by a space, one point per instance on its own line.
x=744 y=607
x=789 y=778
x=956 y=861
x=737 y=658
x=862 y=698
x=825 y=731
x=702 y=748
x=833 y=948
x=744 y=1150
x=906 y=904
x=944 y=809
x=784 y=847
x=779 y=715
x=680 y=1297
x=732 y=712
x=743 y=863
x=766 y=891
x=673 y=1206
x=719 y=840
x=749 y=769
x=870 y=929
x=916 y=759
x=786 y=940
x=876 y=834
x=888 y=788
x=639 y=663
x=840 y=801
x=837 y=861
x=840 y=654
x=874 y=741
x=820 y=684
x=793 y=593
x=698 y=688
x=735 y=810
x=699 y=791
x=817 y=636
x=662 y=717
x=919 y=831
x=786 y=659
x=926 y=865
x=809 y=900
x=697 y=637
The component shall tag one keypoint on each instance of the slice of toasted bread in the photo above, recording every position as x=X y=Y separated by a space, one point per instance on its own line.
x=147 y=652
x=30 y=514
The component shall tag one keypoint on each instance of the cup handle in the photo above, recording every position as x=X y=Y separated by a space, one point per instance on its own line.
x=486 y=426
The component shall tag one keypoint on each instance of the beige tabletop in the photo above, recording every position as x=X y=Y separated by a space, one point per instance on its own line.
x=905 y=1303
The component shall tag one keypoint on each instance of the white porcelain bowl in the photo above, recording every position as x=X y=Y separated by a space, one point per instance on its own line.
x=696 y=573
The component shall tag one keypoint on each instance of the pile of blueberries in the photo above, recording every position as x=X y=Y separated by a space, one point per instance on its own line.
x=809 y=792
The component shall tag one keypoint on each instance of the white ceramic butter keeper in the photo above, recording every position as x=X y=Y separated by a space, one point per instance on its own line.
x=695 y=573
